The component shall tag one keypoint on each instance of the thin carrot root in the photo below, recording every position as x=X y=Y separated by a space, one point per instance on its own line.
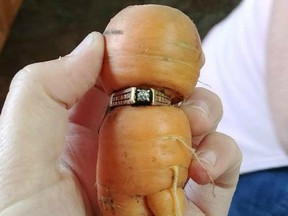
x=185 y=143
x=168 y=202
x=132 y=164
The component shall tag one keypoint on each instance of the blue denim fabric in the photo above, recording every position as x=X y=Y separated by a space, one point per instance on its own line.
x=263 y=193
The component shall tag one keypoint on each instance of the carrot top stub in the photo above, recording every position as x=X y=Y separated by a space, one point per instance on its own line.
x=152 y=46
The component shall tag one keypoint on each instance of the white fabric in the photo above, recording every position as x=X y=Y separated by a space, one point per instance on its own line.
x=235 y=70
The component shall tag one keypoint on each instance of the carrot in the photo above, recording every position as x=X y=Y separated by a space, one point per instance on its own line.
x=145 y=151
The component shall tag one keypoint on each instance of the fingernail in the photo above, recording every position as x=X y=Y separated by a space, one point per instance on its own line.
x=208 y=157
x=83 y=45
x=201 y=106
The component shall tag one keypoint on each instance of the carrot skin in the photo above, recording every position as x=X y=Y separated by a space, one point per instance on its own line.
x=145 y=151
x=136 y=153
x=152 y=45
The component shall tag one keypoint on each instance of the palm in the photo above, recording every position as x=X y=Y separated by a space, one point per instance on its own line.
x=80 y=155
x=80 y=151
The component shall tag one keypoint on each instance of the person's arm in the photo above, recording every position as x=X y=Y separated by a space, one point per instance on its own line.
x=277 y=69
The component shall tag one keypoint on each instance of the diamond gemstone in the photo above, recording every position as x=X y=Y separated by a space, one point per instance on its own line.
x=143 y=95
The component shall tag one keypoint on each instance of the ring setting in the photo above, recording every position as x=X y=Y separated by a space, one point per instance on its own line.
x=139 y=97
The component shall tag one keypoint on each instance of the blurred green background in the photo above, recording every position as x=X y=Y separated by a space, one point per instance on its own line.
x=47 y=29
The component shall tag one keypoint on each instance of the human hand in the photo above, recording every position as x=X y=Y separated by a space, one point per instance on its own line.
x=214 y=171
x=49 y=134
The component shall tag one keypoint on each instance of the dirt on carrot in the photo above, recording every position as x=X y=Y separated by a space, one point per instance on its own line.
x=145 y=151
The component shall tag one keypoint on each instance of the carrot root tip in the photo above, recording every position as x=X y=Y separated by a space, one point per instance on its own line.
x=183 y=141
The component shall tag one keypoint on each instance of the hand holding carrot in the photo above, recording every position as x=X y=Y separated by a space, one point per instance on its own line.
x=49 y=134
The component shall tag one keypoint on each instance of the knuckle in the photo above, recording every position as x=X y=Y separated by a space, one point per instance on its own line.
x=23 y=74
x=25 y=77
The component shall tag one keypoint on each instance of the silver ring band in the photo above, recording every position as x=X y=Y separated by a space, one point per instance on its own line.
x=139 y=97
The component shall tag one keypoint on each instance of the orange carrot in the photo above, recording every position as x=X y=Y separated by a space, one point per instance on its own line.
x=145 y=151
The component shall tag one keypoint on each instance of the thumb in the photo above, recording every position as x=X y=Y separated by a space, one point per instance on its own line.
x=34 y=117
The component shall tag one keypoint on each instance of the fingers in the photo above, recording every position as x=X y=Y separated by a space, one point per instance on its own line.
x=217 y=157
x=34 y=117
x=218 y=160
x=90 y=110
x=204 y=111
x=191 y=209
